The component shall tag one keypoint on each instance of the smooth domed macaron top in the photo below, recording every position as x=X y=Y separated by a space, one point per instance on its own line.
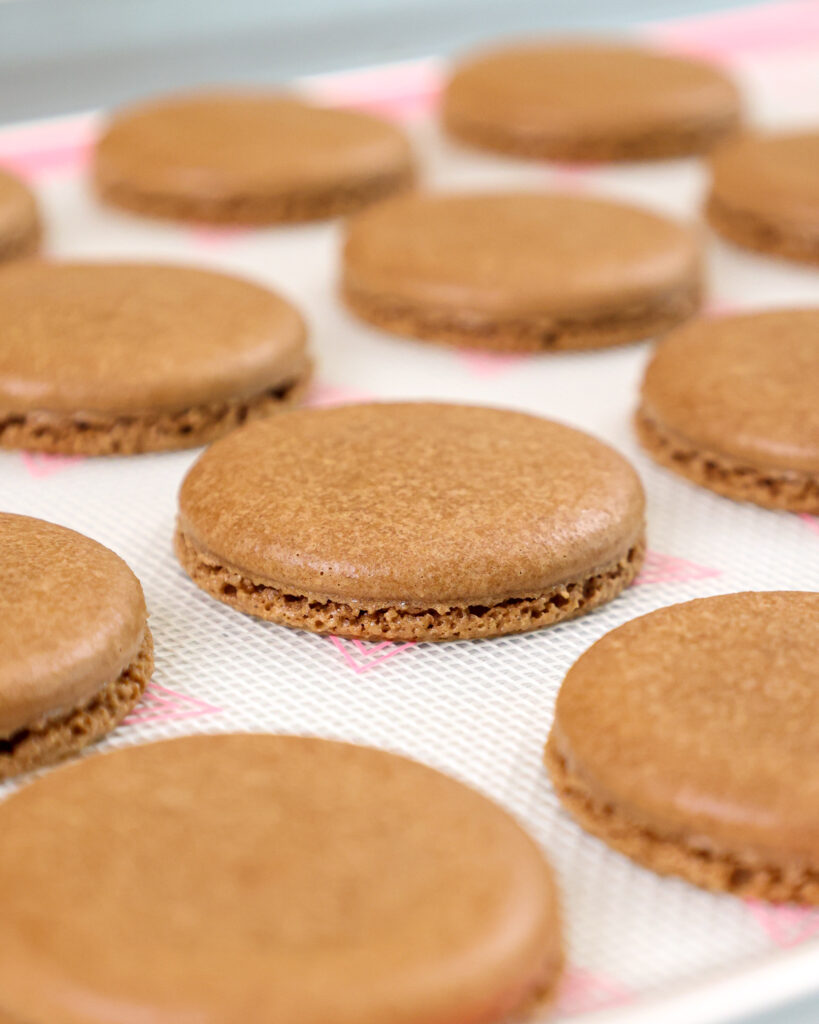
x=412 y=503
x=703 y=718
x=134 y=338
x=744 y=386
x=257 y=878
x=230 y=143
x=775 y=177
x=19 y=218
x=568 y=89
x=72 y=618
x=517 y=253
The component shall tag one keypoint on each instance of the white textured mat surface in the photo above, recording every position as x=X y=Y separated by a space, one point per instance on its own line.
x=479 y=710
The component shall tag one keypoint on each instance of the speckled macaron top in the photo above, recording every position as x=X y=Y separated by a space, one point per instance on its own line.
x=72 y=618
x=517 y=253
x=260 y=878
x=772 y=178
x=124 y=339
x=700 y=721
x=578 y=99
x=19 y=218
x=745 y=386
x=412 y=504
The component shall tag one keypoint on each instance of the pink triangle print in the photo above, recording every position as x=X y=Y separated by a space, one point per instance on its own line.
x=812 y=522
x=159 y=704
x=786 y=925
x=362 y=656
x=331 y=394
x=659 y=568
x=40 y=465
x=490 y=364
x=213 y=236
x=582 y=991
x=569 y=177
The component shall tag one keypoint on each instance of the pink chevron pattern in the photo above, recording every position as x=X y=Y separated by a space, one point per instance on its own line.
x=40 y=464
x=571 y=177
x=400 y=92
x=659 y=568
x=786 y=925
x=747 y=32
x=159 y=704
x=490 y=364
x=582 y=991
x=363 y=657
x=49 y=147
x=812 y=522
x=209 y=236
x=330 y=394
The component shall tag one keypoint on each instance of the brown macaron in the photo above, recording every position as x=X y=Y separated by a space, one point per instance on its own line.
x=733 y=404
x=589 y=101
x=102 y=359
x=520 y=271
x=75 y=649
x=411 y=521
x=253 y=879
x=688 y=739
x=765 y=194
x=19 y=219
x=248 y=158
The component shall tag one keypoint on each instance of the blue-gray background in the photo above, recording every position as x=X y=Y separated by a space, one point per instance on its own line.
x=58 y=56
x=62 y=56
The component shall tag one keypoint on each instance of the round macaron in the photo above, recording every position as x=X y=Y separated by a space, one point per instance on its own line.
x=265 y=878
x=588 y=101
x=248 y=158
x=765 y=194
x=688 y=739
x=733 y=404
x=105 y=359
x=19 y=219
x=411 y=521
x=75 y=649
x=520 y=271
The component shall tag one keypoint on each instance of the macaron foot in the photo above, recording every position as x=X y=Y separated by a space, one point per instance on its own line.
x=464 y=622
x=790 y=490
x=60 y=737
x=708 y=866
x=78 y=434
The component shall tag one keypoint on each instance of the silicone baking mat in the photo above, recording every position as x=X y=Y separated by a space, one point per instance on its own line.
x=479 y=710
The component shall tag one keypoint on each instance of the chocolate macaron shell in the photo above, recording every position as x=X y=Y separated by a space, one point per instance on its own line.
x=248 y=158
x=731 y=403
x=765 y=194
x=415 y=510
x=520 y=271
x=89 y=666
x=20 y=228
x=203 y=351
x=310 y=881
x=686 y=739
x=589 y=101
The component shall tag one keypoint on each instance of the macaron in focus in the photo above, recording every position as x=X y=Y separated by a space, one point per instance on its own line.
x=75 y=650
x=411 y=521
x=732 y=403
x=117 y=358
x=688 y=739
